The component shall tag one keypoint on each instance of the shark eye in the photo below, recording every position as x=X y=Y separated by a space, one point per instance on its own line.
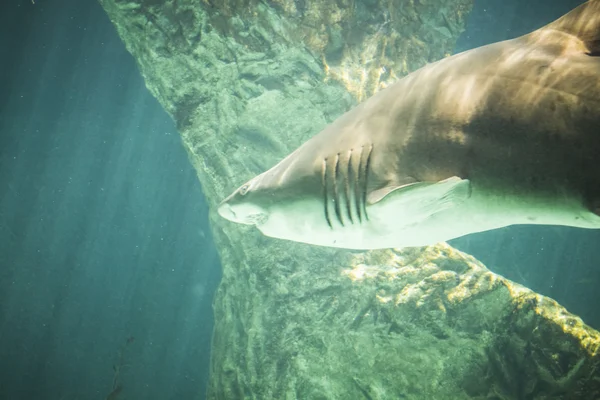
x=244 y=189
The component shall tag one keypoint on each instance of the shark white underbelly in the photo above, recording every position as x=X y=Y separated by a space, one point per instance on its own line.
x=391 y=224
x=482 y=211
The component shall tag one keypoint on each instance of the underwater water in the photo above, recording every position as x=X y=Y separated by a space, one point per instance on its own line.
x=107 y=267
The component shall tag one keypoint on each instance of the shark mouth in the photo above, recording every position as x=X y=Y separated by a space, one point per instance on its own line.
x=344 y=180
x=228 y=212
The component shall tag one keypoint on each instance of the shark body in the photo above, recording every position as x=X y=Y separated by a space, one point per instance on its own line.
x=503 y=134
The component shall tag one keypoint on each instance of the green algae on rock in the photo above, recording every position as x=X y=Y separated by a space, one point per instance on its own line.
x=486 y=337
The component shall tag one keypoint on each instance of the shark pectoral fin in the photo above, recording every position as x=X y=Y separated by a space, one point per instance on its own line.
x=454 y=191
x=420 y=200
x=453 y=187
x=375 y=196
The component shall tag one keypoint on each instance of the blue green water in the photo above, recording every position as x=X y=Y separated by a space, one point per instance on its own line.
x=103 y=226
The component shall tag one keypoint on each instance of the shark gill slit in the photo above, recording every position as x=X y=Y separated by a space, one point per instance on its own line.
x=347 y=185
x=336 y=194
x=358 y=186
x=365 y=182
x=325 y=197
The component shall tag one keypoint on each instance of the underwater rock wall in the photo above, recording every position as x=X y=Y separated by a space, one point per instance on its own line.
x=247 y=81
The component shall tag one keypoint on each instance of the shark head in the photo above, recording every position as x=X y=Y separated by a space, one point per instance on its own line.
x=284 y=202
x=244 y=206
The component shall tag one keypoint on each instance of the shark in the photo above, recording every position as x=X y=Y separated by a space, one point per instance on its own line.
x=500 y=135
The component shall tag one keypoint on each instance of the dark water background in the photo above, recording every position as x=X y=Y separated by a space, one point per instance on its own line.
x=103 y=227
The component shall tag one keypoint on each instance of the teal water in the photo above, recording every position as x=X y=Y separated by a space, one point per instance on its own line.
x=106 y=259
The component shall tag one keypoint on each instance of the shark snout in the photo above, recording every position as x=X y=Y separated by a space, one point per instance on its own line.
x=226 y=211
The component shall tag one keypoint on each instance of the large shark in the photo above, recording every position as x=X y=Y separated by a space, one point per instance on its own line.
x=503 y=134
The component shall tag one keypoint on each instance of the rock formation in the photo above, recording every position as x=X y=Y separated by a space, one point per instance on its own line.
x=247 y=81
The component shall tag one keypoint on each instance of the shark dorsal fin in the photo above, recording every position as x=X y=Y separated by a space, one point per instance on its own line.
x=584 y=23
